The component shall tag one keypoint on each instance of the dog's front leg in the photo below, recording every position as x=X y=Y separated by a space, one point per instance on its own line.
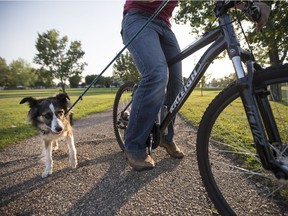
x=55 y=145
x=48 y=157
x=72 y=151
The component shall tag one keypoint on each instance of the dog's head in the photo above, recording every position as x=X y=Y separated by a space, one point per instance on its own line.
x=48 y=114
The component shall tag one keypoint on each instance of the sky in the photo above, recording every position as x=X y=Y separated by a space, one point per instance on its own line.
x=96 y=23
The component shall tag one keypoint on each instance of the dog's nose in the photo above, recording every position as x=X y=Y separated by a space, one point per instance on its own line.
x=58 y=129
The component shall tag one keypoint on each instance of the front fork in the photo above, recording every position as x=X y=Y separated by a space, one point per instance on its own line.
x=256 y=105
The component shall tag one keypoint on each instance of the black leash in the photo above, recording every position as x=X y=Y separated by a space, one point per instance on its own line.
x=121 y=51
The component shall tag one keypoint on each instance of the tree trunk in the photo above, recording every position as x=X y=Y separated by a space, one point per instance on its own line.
x=62 y=85
x=276 y=94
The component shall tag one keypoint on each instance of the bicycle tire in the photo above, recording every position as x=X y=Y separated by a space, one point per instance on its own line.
x=233 y=182
x=122 y=101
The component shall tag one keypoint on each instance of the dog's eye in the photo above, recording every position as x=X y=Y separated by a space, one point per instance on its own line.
x=47 y=116
x=60 y=113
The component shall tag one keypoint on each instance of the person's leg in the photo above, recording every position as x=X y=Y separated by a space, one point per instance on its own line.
x=149 y=97
x=171 y=48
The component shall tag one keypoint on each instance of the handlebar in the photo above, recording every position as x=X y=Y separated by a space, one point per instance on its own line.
x=252 y=11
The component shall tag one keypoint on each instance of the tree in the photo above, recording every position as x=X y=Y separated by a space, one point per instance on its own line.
x=20 y=73
x=102 y=81
x=270 y=46
x=125 y=69
x=214 y=83
x=273 y=40
x=43 y=78
x=60 y=60
x=225 y=81
x=203 y=82
x=4 y=72
x=74 y=81
x=89 y=79
x=108 y=81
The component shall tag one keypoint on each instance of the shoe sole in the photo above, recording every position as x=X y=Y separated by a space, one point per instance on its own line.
x=139 y=169
x=143 y=169
x=171 y=154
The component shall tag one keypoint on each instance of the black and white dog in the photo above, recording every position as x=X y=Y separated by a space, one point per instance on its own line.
x=49 y=116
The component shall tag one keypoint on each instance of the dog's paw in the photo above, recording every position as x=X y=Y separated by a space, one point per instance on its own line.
x=73 y=163
x=46 y=173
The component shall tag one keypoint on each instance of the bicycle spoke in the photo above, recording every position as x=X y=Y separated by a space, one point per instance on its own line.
x=228 y=160
x=121 y=112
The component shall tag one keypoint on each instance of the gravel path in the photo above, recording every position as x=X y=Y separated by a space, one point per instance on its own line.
x=103 y=184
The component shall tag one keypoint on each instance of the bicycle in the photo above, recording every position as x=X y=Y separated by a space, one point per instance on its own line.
x=255 y=152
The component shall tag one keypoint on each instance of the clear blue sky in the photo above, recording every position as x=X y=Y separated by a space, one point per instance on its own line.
x=96 y=24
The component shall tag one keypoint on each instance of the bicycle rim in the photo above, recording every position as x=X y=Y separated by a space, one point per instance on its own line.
x=228 y=163
x=121 y=111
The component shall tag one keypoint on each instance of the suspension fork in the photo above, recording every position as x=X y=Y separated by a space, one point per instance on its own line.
x=256 y=103
x=246 y=91
x=264 y=107
x=250 y=102
x=261 y=96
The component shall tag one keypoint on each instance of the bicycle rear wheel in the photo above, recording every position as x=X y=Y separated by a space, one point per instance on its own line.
x=121 y=111
x=230 y=169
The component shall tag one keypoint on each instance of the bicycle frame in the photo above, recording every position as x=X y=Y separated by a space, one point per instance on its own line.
x=220 y=39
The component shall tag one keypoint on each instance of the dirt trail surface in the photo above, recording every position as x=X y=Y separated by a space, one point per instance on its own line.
x=103 y=184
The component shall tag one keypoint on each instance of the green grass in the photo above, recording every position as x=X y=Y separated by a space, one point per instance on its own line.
x=196 y=105
x=14 y=126
x=234 y=122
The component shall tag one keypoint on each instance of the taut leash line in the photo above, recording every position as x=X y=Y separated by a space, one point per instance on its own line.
x=121 y=51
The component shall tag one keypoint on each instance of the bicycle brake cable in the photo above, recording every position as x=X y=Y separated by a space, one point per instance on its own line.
x=243 y=32
x=163 y=4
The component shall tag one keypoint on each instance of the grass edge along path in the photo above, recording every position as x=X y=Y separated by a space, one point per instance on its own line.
x=14 y=125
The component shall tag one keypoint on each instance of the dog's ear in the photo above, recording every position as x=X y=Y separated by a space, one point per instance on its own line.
x=62 y=97
x=32 y=101
x=33 y=104
x=64 y=100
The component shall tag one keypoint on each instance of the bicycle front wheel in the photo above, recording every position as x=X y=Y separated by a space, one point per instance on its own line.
x=229 y=166
x=121 y=111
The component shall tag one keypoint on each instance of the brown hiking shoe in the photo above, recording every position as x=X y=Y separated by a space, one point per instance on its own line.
x=172 y=149
x=140 y=162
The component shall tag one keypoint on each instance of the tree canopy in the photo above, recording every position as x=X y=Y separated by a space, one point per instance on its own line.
x=270 y=46
x=4 y=72
x=124 y=69
x=61 y=60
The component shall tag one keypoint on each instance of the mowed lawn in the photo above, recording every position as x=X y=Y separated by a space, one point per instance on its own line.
x=13 y=116
x=14 y=126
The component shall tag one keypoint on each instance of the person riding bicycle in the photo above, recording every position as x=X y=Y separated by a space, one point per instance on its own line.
x=151 y=50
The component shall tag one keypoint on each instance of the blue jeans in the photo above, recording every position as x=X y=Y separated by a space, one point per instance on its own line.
x=159 y=85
